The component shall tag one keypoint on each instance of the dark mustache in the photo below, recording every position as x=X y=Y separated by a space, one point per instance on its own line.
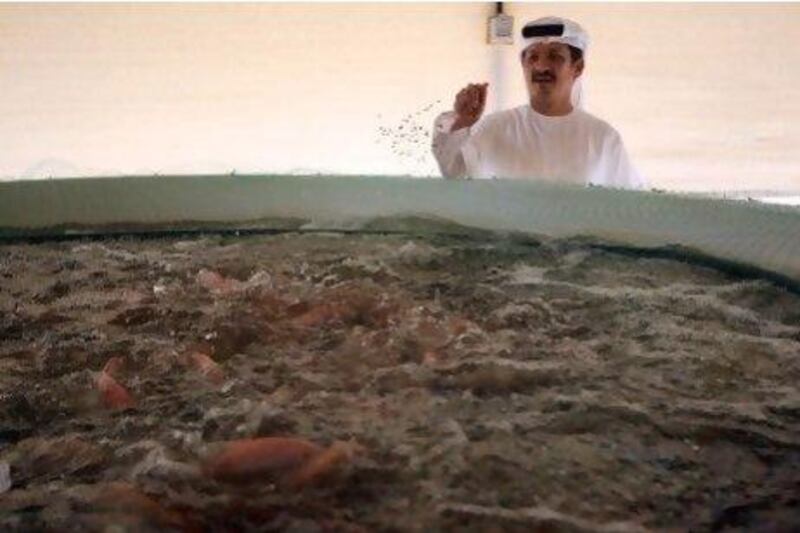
x=542 y=76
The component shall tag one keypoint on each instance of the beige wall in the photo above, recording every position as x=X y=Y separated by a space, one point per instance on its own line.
x=704 y=94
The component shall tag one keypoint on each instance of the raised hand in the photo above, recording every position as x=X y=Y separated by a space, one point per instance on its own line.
x=469 y=104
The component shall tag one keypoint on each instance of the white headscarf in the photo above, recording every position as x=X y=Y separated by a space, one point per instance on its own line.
x=558 y=30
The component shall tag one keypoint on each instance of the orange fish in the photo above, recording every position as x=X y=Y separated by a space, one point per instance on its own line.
x=289 y=461
x=249 y=460
x=114 y=395
x=217 y=283
x=431 y=357
x=208 y=367
x=457 y=325
x=321 y=464
x=113 y=365
x=128 y=505
x=322 y=314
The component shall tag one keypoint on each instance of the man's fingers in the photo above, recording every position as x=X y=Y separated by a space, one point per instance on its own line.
x=480 y=93
x=479 y=99
x=477 y=94
x=474 y=88
x=471 y=100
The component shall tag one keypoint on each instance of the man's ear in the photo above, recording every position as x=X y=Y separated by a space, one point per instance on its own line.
x=579 y=64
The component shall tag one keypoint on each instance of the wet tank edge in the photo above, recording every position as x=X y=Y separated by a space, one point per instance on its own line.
x=412 y=226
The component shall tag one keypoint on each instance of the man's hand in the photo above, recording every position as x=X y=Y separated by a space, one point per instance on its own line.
x=469 y=105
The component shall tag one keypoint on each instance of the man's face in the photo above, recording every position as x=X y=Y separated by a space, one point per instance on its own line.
x=550 y=71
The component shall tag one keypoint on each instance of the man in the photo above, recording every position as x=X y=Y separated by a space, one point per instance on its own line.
x=550 y=139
